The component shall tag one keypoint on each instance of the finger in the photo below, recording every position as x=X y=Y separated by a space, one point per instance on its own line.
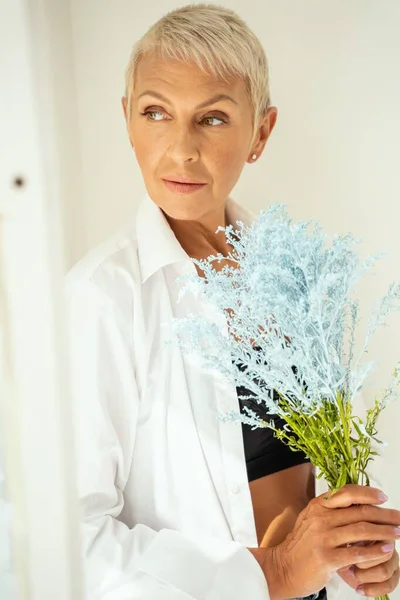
x=374 y=590
x=348 y=577
x=351 y=494
x=365 y=512
x=373 y=563
x=362 y=532
x=352 y=555
x=377 y=574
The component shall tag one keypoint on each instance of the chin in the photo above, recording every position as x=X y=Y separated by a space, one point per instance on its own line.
x=191 y=207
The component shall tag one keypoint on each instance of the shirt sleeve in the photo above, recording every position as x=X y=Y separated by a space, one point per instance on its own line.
x=139 y=563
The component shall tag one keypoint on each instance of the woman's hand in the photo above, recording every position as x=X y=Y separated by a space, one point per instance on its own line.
x=319 y=546
x=374 y=578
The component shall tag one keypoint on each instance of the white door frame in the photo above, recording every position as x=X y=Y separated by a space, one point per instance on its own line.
x=35 y=407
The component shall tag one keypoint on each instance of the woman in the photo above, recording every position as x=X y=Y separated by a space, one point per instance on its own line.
x=175 y=504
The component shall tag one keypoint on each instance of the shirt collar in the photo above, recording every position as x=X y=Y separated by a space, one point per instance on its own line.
x=157 y=243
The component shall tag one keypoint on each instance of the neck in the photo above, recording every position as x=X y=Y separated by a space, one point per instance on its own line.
x=199 y=238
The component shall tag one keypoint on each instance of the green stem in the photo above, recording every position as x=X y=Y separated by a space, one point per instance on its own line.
x=346 y=432
x=327 y=440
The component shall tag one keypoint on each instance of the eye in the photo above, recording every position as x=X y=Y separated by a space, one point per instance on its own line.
x=153 y=115
x=159 y=115
x=211 y=121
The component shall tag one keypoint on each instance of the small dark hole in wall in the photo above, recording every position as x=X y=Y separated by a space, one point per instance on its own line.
x=19 y=181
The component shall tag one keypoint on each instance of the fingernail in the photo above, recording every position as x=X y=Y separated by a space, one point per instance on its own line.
x=397 y=531
x=388 y=548
x=382 y=497
x=360 y=590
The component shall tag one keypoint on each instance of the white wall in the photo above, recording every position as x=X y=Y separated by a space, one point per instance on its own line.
x=333 y=155
x=59 y=43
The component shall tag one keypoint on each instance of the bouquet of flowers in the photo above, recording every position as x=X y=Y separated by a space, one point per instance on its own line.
x=290 y=325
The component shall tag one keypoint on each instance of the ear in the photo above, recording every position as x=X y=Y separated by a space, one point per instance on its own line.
x=263 y=132
x=124 y=103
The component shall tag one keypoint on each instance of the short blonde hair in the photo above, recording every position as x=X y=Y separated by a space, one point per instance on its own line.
x=217 y=40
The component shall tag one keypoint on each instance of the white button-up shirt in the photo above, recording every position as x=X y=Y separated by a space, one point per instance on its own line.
x=167 y=511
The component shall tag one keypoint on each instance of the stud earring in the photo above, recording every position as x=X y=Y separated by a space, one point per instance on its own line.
x=254 y=156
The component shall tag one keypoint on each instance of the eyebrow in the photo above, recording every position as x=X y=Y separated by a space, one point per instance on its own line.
x=213 y=100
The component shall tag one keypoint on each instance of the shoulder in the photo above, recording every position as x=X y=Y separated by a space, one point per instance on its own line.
x=108 y=274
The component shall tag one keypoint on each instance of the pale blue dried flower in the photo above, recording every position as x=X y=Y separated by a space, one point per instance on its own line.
x=291 y=298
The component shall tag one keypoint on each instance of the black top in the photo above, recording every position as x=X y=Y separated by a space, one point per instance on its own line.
x=265 y=453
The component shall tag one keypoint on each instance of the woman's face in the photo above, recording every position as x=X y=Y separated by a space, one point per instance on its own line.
x=188 y=125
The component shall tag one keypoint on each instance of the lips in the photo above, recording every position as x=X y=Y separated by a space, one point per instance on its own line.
x=179 y=179
x=183 y=186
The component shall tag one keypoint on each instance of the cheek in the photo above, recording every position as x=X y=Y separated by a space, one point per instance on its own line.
x=228 y=161
x=147 y=154
x=231 y=149
x=147 y=144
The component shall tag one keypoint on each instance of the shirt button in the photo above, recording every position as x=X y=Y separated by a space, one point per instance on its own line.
x=235 y=490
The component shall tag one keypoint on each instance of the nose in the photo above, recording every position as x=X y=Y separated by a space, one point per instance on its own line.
x=183 y=146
